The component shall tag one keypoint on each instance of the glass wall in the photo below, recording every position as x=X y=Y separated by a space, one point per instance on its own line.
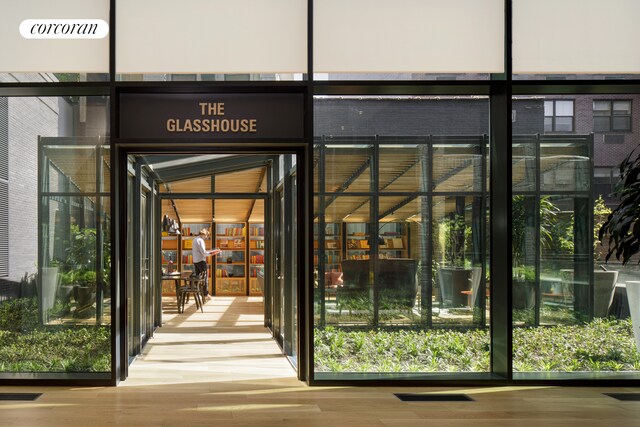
x=570 y=308
x=400 y=254
x=55 y=289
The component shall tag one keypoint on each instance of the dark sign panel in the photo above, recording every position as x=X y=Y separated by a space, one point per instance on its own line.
x=212 y=116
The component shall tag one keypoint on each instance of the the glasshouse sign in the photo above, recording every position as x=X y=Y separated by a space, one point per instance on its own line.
x=211 y=116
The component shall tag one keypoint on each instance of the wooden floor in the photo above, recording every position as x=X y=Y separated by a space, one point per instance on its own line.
x=221 y=368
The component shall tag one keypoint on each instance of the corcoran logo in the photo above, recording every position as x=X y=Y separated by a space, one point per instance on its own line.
x=64 y=29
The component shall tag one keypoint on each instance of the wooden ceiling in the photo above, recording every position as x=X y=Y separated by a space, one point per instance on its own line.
x=228 y=210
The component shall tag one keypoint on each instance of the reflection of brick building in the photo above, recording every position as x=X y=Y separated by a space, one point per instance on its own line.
x=613 y=119
x=615 y=131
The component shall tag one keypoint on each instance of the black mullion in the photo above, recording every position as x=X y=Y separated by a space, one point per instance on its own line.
x=374 y=203
x=536 y=214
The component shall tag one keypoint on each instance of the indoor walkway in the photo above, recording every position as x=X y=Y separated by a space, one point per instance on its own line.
x=221 y=368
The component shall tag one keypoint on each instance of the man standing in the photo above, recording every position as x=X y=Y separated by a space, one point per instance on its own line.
x=200 y=253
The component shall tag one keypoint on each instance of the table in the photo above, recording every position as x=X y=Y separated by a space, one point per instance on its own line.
x=177 y=277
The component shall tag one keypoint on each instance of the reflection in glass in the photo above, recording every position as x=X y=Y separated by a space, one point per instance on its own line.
x=58 y=278
x=400 y=238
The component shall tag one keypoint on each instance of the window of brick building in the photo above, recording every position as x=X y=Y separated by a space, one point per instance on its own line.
x=612 y=116
x=558 y=116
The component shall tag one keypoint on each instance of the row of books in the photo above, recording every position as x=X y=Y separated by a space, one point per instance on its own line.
x=256 y=244
x=232 y=231
x=224 y=273
x=328 y=259
x=256 y=259
x=253 y=272
x=357 y=244
x=256 y=231
x=235 y=243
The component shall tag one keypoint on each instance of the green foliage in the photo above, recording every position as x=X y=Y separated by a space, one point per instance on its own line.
x=600 y=214
x=81 y=250
x=600 y=345
x=549 y=232
x=457 y=238
x=19 y=314
x=623 y=224
x=27 y=346
x=56 y=349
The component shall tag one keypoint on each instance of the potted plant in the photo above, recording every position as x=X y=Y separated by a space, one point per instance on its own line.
x=81 y=269
x=524 y=270
x=604 y=280
x=454 y=276
x=623 y=230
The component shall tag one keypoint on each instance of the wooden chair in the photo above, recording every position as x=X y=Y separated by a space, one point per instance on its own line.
x=192 y=285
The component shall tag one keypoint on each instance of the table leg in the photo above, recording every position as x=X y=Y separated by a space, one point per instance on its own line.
x=177 y=282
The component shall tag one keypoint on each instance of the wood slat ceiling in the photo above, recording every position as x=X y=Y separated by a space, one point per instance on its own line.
x=194 y=185
x=247 y=181
x=193 y=210
x=200 y=210
x=233 y=210
x=257 y=214
x=78 y=163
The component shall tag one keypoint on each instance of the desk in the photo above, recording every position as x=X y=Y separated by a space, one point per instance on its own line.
x=177 y=277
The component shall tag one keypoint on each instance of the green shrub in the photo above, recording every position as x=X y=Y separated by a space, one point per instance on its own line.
x=19 y=314
x=600 y=345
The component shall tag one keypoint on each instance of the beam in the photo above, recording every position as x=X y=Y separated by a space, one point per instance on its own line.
x=211 y=167
x=397 y=206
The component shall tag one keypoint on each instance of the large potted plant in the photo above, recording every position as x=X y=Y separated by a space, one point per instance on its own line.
x=523 y=233
x=623 y=230
x=81 y=269
x=453 y=275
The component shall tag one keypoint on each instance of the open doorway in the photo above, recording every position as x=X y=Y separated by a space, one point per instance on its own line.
x=243 y=205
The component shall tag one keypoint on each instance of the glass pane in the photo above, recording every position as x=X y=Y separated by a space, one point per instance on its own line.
x=621 y=123
x=457 y=167
x=548 y=124
x=257 y=39
x=343 y=294
x=621 y=107
x=53 y=60
x=564 y=124
x=347 y=168
x=404 y=168
x=55 y=315
x=346 y=40
x=548 y=108
x=73 y=166
x=523 y=167
x=570 y=316
x=523 y=231
x=458 y=227
x=601 y=124
x=601 y=108
x=564 y=108
x=564 y=166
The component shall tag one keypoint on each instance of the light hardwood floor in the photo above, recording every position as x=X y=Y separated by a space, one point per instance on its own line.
x=221 y=368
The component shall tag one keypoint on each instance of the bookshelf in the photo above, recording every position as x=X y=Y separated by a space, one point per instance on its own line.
x=170 y=255
x=189 y=232
x=231 y=266
x=332 y=246
x=395 y=240
x=357 y=240
x=256 y=257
